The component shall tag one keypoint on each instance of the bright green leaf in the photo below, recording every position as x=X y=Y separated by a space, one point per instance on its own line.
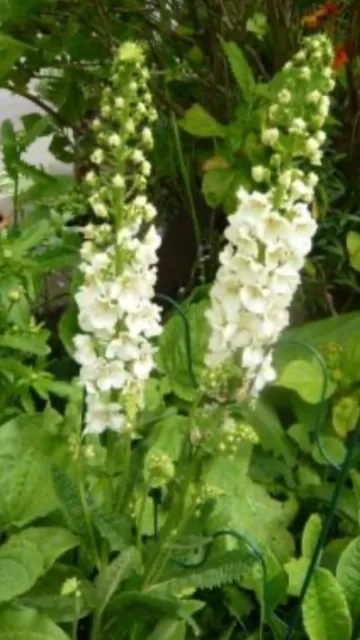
x=306 y=378
x=240 y=68
x=127 y=563
x=310 y=535
x=325 y=610
x=19 y=623
x=21 y=564
x=345 y=414
x=296 y=571
x=353 y=247
x=199 y=122
x=168 y=629
x=52 y=542
x=348 y=575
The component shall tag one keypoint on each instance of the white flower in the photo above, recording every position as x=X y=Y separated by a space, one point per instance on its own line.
x=119 y=102
x=259 y=173
x=312 y=179
x=253 y=298
x=146 y=168
x=90 y=177
x=313 y=97
x=300 y=190
x=114 y=140
x=311 y=146
x=265 y=375
x=111 y=375
x=129 y=126
x=272 y=227
x=103 y=415
x=138 y=157
x=84 y=350
x=324 y=106
x=118 y=181
x=305 y=73
x=284 y=96
x=270 y=136
x=98 y=156
x=147 y=137
x=320 y=137
x=100 y=209
x=298 y=125
x=252 y=357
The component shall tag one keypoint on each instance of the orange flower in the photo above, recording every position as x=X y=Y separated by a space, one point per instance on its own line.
x=341 y=57
x=314 y=20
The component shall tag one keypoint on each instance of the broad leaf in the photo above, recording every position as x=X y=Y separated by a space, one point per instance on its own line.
x=307 y=379
x=52 y=542
x=325 y=610
x=21 y=564
x=19 y=623
x=348 y=575
x=296 y=571
x=10 y=51
x=70 y=501
x=199 y=122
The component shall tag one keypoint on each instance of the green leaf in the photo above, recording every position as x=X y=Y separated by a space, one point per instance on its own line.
x=353 y=247
x=9 y=143
x=70 y=501
x=240 y=68
x=35 y=126
x=68 y=327
x=325 y=610
x=216 y=184
x=348 y=575
x=10 y=51
x=310 y=535
x=19 y=623
x=27 y=342
x=306 y=378
x=52 y=542
x=333 y=448
x=168 y=629
x=21 y=564
x=199 y=122
x=173 y=352
x=31 y=236
x=296 y=571
x=127 y=563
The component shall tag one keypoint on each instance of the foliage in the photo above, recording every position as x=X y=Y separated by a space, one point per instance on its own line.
x=205 y=519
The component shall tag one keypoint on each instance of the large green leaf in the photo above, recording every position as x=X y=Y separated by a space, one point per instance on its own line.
x=307 y=379
x=199 y=122
x=339 y=331
x=21 y=564
x=240 y=68
x=174 y=355
x=216 y=184
x=27 y=342
x=52 y=542
x=19 y=623
x=348 y=575
x=26 y=490
x=70 y=501
x=325 y=610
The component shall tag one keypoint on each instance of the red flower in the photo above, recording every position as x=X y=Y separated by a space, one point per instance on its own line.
x=331 y=9
x=341 y=57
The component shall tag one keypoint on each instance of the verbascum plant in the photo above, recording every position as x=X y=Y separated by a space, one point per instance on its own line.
x=117 y=316
x=270 y=233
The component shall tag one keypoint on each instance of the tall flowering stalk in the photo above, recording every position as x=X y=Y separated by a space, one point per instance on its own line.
x=270 y=234
x=116 y=313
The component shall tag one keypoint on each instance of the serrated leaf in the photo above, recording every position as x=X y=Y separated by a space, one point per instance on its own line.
x=127 y=563
x=70 y=501
x=199 y=122
x=353 y=247
x=26 y=342
x=240 y=68
x=348 y=575
x=19 y=623
x=21 y=564
x=221 y=569
x=325 y=610
x=168 y=629
x=310 y=535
